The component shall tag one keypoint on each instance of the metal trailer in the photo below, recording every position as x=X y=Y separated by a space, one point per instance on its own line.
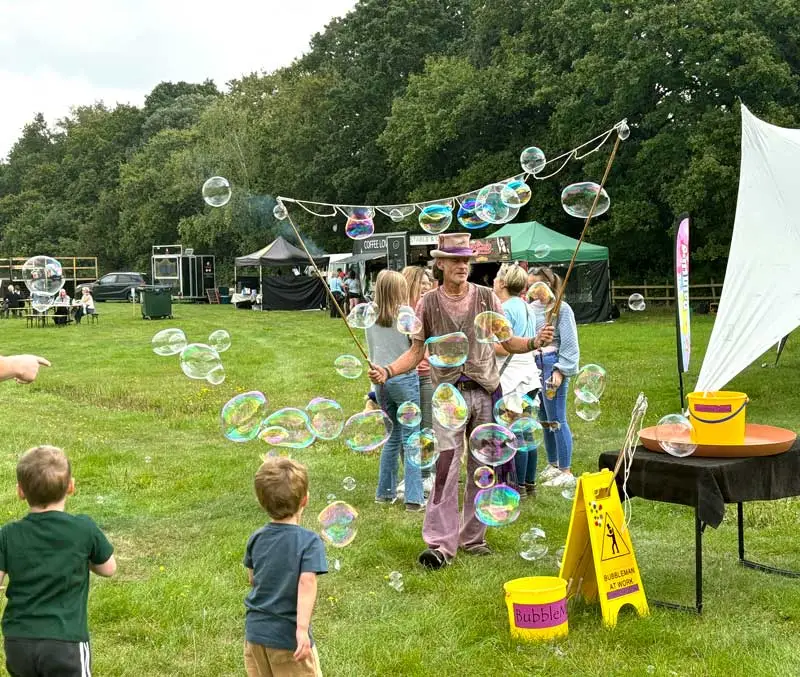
x=191 y=276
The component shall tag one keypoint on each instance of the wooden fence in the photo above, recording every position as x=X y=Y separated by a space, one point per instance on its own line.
x=665 y=293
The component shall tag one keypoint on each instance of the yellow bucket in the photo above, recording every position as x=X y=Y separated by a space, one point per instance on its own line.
x=537 y=607
x=718 y=417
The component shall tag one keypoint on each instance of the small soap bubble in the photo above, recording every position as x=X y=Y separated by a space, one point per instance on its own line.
x=577 y=199
x=216 y=376
x=467 y=217
x=587 y=406
x=484 y=477
x=623 y=131
x=532 y=544
x=219 y=340
x=296 y=424
x=448 y=350
x=409 y=414
x=148 y=459
x=541 y=297
x=636 y=302
x=337 y=565
x=241 y=416
x=541 y=251
x=338 y=524
x=436 y=218
x=528 y=432
x=522 y=190
x=100 y=499
x=348 y=366
x=492 y=444
x=198 y=360
x=43 y=275
x=349 y=483
x=568 y=493
x=532 y=160
x=367 y=430
x=326 y=418
x=497 y=203
x=591 y=380
x=169 y=342
x=449 y=407
x=407 y=321
x=330 y=498
x=422 y=449
x=217 y=191
x=396 y=580
x=363 y=316
x=514 y=406
x=280 y=212
x=492 y=327
x=497 y=506
x=674 y=434
x=560 y=556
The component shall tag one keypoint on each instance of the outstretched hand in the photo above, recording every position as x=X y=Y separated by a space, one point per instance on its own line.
x=22 y=368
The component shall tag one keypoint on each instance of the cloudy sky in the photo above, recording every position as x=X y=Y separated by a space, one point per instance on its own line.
x=56 y=54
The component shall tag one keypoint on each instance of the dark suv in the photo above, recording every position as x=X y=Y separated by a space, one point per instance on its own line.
x=115 y=286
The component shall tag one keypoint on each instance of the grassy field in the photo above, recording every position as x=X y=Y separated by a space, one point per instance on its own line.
x=176 y=499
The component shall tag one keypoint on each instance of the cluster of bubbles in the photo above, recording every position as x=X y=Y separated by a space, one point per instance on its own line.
x=337 y=522
x=199 y=361
x=675 y=435
x=532 y=545
x=44 y=278
x=589 y=386
x=396 y=581
x=636 y=302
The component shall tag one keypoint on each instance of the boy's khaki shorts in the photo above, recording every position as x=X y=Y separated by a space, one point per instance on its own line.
x=260 y=661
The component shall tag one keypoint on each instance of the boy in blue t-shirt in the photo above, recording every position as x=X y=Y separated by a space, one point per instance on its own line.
x=282 y=560
x=48 y=555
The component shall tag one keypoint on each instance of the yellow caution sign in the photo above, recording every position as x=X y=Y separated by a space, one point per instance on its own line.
x=599 y=560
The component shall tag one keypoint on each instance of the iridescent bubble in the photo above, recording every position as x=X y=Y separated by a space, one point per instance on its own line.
x=577 y=199
x=241 y=416
x=623 y=131
x=280 y=212
x=40 y=301
x=198 y=359
x=326 y=418
x=514 y=406
x=497 y=203
x=449 y=350
x=363 y=316
x=436 y=219
x=43 y=274
x=541 y=296
x=522 y=190
x=467 y=216
x=409 y=414
x=169 y=342
x=528 y=433
x=587 y=406
x=484 y=477
x=636 y=302
x=273 y=435
x=532 y=544
x=492 y=444
x=219 y=340
x=492 y=327
x=296 y=424
x=348 y=366
x=497 y=506
x=349 y=483
x=337 y=523
x=674 y=434
x=422 y=449
x=217 y=375
x=360 y=223
x=367 y=430
x=591 y=380
x=542 y=251
x=532 y=160
x=449 y=407
x=217 y=191
x=399 y=214
x=407 y=321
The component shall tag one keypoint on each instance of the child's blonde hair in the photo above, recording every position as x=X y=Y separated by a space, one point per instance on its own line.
x=281 y=485
x=391 y=292
x=44 y=474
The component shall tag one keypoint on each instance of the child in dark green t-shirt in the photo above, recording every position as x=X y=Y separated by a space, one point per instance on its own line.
x=48 y=555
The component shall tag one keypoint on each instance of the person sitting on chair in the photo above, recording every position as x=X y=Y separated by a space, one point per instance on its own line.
x=86 y=306
x=13 y=301
x=62 y=307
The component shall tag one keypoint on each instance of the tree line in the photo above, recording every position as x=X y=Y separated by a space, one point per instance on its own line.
x=408 y=100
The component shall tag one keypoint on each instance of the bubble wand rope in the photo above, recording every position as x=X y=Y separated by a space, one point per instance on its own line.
x=327 y=288
x=557 y=305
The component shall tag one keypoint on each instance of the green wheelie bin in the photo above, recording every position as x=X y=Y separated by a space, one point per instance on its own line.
x=156 y=301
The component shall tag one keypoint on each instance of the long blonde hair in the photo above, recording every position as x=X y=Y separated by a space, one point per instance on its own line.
x=414 y=276
x=391 y=292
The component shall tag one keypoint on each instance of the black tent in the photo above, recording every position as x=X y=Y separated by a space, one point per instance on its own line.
x=285 y=290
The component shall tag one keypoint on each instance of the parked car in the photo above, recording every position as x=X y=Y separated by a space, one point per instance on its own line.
x=115 y=286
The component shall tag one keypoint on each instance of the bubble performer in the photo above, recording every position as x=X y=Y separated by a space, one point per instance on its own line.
x=450 y=308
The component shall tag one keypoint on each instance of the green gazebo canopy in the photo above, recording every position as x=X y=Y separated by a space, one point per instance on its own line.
x=526 y=237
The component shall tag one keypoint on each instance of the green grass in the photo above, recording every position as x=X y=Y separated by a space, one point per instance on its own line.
x=180 y=521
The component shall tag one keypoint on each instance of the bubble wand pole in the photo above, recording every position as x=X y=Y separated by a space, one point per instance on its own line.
x=327 y=288
x=557 y=305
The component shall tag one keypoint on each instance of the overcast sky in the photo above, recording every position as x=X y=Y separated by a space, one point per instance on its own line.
x=55 y=54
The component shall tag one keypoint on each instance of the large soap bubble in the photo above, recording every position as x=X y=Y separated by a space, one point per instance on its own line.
x=492 y=327
x=514 y=406
x=367 y=430
x=41 y=302
x=587 y=406
x=577 y=199
x=407 y=321
x=467 y=216
x=532 y=160
x=325 y=418
x=241 y=416
x=363 y=316
x=169 y=342
x=422 y=449
x=497 y=506
x=449 y=407
x=492 y=444
x=497 y=203
x=436 y=218
x=43 y=274
x=484 y=477
x=337 y=523
x=591 y=380
x=541 y=296
x=528 y=433
x=636 y=302
x=674 y=435
x=360 y=223
x=198 y=360
x=217 y=191
x=348 y=366
x=296 y=424
x=532 y=544
x=523 y=192
x=409 y=414
x=219 y=340
x=448 y=350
